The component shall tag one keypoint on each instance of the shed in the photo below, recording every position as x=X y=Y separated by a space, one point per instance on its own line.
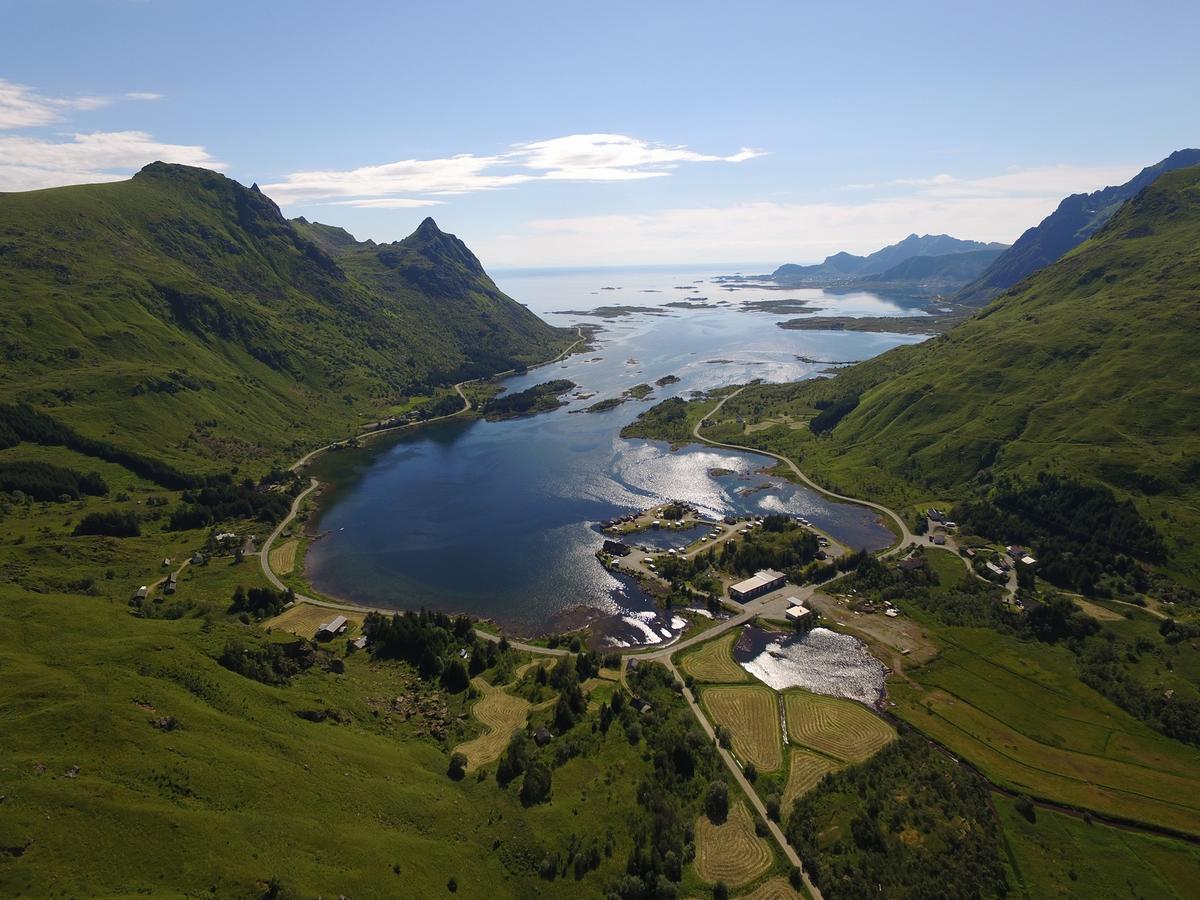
x=1028 y=560
x=332 y=628
x=762 y=582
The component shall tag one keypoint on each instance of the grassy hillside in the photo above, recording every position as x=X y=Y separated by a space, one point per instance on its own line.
x=1087 y=370
x=179 y=315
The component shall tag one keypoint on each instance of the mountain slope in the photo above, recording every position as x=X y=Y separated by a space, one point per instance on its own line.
x=1089 y=369
x=1076 y=219
x=179 y=314
x=841 y=266
x=948 y=269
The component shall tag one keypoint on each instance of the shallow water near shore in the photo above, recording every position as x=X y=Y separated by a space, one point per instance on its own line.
x=498 y=519
x=822 y=661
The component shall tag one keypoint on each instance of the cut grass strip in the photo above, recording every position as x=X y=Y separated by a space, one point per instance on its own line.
x=751 y=714
x=840 y=728
x=731 y=852
x=283 y=557
x=806 y=771
x=776 y=888
x=713 y=661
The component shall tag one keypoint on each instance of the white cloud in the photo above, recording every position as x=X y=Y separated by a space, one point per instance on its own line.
x=996 y=208
x=23 y=107
x=576 y=157
x=33 y=163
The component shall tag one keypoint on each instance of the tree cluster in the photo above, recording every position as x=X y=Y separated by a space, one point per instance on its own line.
x=112 y=523
x=1081 y=532
x=43 y=481
x=260 y=602
x=222 y=499
x=920 y=825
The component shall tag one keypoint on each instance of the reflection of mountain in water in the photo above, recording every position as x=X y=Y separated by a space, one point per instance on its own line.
x=822 y=661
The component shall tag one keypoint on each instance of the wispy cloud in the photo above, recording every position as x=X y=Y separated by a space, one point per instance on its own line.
x=576 y=157
x=388 y=203
x=1058 y=180
x=23 y=107
x=32 y=163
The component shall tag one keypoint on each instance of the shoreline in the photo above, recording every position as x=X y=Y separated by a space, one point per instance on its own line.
x=582 y=337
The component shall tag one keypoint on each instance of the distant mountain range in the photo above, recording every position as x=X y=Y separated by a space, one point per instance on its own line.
x=944 y=261
x=1077 y=218
x=182 y=314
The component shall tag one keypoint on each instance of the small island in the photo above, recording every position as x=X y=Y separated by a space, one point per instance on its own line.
x=667 y=379
x=637 y=392
x=538 y=399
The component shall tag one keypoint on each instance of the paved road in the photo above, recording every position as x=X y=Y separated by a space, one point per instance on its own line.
x=735 y=770
x=906 y=536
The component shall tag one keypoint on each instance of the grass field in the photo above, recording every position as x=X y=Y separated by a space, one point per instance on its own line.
x=751 y=714
x=805 y=770
x=840 y=728
x=1063 y=856
x=283 y=557
x=773 y=889
x=304 y=619
x=501 y=714
x=1017 y=711
x=731 y=852
x=713 y=661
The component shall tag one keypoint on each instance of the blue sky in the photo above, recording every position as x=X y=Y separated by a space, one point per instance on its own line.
x=615 y=133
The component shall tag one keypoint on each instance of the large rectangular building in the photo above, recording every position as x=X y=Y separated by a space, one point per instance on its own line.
x=757 y=584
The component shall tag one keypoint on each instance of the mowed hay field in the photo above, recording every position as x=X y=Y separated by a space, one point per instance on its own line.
x=731 y=852
x=283 y=557
x=713 y=661
x=840 y=728
x=304 y=619
x=804 y=772
x=1018 y=712
x=751 y=714
x=501 y=714
x=773 y=889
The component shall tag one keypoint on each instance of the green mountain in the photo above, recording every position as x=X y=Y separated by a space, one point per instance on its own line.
x=936 y=271
x=1076 y=219
x=1088 y=370
x=179 y=314
x=846 y=266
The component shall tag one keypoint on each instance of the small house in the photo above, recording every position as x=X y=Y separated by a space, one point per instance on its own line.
x=939 y=539
x=141 y=593
x=542 y=736
x=333 y=628
x=994 y=569
x=1028 y=560
x=172 y=583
